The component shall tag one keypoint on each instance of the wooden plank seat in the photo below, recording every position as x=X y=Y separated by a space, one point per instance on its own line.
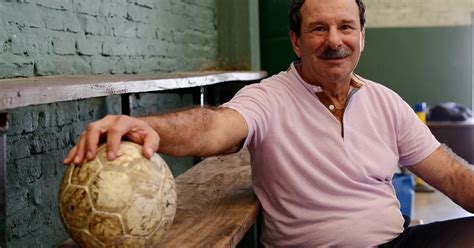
x=216 y=204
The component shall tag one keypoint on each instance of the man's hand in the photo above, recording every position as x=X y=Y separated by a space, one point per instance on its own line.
x=113 y=128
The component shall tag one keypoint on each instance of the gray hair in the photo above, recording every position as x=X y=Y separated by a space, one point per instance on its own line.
x=295 y=15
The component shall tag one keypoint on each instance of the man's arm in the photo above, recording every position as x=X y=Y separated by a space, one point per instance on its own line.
x=197 y=132
x=450 y=174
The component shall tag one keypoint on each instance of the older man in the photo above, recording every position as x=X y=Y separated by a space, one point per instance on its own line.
x=325 y=143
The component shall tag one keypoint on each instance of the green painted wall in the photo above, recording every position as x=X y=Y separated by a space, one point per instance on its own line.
x=238 y=33
x=430 y=64
x=275 y=46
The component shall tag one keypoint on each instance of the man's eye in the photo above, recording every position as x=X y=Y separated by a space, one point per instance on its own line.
x=345 y=27
x=319 y=29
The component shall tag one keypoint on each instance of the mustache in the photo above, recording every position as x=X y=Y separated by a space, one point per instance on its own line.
x=339 y=53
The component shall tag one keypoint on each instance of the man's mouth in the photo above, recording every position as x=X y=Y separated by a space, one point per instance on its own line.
x=334 y=58
x=330 y=54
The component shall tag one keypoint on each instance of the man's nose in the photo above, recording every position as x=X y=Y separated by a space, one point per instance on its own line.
x=334 y=39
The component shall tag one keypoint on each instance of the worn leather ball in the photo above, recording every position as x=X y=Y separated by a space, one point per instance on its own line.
x=126 y=202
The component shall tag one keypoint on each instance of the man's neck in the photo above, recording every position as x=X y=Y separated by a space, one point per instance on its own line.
x=336 y=89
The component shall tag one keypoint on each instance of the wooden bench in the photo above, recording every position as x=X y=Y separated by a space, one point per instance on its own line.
x=216 y=204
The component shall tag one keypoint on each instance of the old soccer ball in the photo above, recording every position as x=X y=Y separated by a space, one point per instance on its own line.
x=127 y=202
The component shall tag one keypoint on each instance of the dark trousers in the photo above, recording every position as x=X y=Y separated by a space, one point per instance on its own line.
x=451 y=233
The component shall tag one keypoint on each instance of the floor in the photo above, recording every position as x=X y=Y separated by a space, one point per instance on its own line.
x=435 y=206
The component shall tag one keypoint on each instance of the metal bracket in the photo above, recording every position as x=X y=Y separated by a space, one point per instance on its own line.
x=126 y=104
x=202 y=96
x=3 y=170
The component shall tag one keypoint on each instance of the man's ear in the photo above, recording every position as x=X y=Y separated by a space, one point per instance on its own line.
x=295 y=42
x=362 y=40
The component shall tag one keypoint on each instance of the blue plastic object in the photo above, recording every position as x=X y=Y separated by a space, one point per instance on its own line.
x=420 y=107
x=404 y=188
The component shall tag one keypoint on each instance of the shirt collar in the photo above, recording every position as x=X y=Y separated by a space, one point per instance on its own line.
x=356 y=81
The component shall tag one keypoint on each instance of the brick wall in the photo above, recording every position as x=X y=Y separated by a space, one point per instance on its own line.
x=38 y=139
x=47 y=37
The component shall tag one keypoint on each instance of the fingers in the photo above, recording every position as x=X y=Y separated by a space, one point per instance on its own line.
x=115 y=127
x=93 y=132
x=70 y=156
x=86 y=148
x=114 y=136
x=81 y=151
x=150 y=144
x=123 y=125
x=142 y=133
x=137 y=131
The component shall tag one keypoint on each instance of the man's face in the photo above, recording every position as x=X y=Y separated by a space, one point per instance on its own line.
x=331 y=40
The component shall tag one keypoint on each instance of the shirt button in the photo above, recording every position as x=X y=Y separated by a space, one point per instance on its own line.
x=331 y=107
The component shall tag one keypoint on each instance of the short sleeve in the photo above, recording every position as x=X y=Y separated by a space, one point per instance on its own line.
x=415 y=140
x=254 y=103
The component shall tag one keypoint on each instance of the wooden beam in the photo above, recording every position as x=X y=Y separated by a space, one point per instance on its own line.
x=40 y=90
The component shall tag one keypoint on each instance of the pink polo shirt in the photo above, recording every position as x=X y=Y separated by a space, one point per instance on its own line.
x=316 y=187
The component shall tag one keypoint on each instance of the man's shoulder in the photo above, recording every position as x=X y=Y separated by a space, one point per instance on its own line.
x=375 y=86
x=283 y=77
x=280 y=82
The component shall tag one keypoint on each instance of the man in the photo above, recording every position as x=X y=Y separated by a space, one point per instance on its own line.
x=324 y=142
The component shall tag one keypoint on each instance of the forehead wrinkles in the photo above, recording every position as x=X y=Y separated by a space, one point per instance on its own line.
x=329 y=11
